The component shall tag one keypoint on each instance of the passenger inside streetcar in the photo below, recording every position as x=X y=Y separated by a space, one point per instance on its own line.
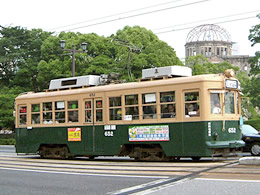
x=169 y=112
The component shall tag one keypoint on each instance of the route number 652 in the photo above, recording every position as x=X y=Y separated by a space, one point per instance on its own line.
x=109 y=133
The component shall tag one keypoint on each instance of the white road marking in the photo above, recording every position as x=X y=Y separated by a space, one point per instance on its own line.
x=138 y=186
x=85 y=174
x=158 y=188
x=231 y=180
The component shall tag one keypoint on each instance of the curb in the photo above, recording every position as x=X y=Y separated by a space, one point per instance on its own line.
x=249 y=161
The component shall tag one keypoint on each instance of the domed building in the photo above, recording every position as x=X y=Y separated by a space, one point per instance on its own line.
x=214 y=43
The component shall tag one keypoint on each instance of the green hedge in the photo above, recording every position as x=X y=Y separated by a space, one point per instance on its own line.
x=10 y=141
x=255 y=123
x=7 y=136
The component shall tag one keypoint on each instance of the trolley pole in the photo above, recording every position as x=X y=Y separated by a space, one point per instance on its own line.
x=73 y=60
x=73 y=51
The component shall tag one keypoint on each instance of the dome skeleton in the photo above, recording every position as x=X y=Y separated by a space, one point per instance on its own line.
x=208 y=32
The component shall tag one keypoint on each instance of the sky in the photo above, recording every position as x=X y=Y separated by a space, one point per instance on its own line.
x=170 y=20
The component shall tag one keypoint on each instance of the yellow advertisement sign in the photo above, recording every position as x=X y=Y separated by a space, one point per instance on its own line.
x=74 y=134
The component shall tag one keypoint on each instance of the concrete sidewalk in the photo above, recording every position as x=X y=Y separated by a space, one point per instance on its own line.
x=252 y=160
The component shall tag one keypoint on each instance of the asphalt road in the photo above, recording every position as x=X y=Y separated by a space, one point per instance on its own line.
x=25 y=183
x=29 y=181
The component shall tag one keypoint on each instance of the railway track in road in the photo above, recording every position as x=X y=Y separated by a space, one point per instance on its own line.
x=208 y=169
x=164 y=174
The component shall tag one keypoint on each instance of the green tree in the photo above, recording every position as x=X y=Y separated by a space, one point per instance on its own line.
x=20 y=54
x=104 y=55
x=201 y=65
x=154 y=52
x=7 y=98
x=253 y=87
x=11 y=52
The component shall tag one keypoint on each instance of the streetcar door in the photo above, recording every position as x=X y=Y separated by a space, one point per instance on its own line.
x=94 y=128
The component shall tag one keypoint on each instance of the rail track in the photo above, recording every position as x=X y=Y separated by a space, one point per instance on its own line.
x=185 y=168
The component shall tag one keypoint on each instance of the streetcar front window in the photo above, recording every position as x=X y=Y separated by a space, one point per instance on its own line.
x=229 y=103
x=215 y=103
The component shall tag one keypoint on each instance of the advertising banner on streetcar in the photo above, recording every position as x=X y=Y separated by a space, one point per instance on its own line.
x=149 y=133
x=74 y=134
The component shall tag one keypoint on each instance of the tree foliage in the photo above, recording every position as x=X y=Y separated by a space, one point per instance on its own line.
x=201 y=65
x=29 y=59
x=253 y=86
x=154 y=52
x=7 y=97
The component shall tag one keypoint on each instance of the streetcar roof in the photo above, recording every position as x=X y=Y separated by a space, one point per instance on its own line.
x=132 y=85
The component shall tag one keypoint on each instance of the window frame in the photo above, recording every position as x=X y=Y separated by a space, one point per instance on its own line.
x=168 y=115
x=45 y=112
x=134 y=116
x=234 y=100
x=72 y=110
x=22 y=114
x=192 y=114
x=59 y=111
x=34 y=113
x=153 y=104
x=117 y=108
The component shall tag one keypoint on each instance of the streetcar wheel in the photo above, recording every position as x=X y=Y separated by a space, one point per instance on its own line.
x=91 y=157
x=64 y=152
x=195 y=158
x=255 y=149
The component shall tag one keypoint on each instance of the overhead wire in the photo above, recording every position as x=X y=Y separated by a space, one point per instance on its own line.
x=136 y=15
x=190 y=27
x=199 y=21
x=117 y=14
x=186 y=28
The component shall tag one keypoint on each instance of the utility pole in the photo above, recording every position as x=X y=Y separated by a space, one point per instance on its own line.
x=131 y=48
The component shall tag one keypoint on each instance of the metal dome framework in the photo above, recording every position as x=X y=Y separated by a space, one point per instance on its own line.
x=208 y=32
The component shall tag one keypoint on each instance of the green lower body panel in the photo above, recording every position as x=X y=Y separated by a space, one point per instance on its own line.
x=225 y=144
x=189 y=139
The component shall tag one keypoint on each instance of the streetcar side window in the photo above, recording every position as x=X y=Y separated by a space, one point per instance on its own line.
x=99 y=110
x=73 y=112
x=22 y=115
x=215 y=103
x=167 y=104
x=149 y=107
x=59 y=112
x=88 y=112
x=36 y=114
x=229 y=103
x=131 y=106
x=47 y=112
x=115 y=109
x=192 y=104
